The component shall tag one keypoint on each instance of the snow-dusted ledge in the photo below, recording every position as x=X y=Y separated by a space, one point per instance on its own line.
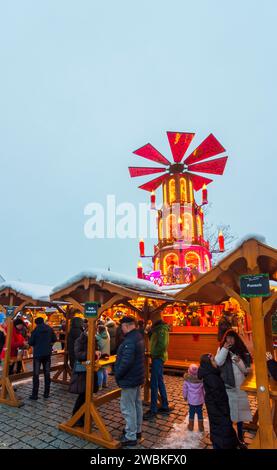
x=34 y=291
x=109 y=276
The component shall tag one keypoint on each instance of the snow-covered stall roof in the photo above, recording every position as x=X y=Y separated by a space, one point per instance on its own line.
x=110 y=277
x=34 y=291
x=235 y=246
x=173 y=288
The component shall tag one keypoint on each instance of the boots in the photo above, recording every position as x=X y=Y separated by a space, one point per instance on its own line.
x=200 y=425
x=190 y=425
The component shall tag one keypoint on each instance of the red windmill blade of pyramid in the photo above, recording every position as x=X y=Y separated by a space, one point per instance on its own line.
x=142 y=171
x=208 y=148
x=179 y=143
x=149 y=152
x=216 y=166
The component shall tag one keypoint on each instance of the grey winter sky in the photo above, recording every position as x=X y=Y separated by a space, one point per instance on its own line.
x=85 y=83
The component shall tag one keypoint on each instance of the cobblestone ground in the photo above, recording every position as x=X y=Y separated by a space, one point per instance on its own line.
x=34 y=426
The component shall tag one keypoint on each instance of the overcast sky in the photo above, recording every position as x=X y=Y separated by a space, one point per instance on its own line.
x=84 y=83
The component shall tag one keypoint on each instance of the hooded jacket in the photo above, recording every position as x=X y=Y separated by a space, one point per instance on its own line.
x=193 y=390
x=159 y=339
x=17 y=341
x=222 y=433
x=42 y=339
x=103 y=341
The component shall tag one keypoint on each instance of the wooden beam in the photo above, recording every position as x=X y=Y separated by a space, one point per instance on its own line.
x=94 y=437
x=107 y=397
x=75 y=304
x=91 y=361
x=132 y=307
x=269 y=303
x=115 y=298
x=265 y=436
x=229 y=291
x=7 y=394
x=21 y=306
x=160 y=308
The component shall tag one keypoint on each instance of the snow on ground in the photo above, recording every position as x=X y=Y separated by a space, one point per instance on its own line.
x=180 y=438
x=109 y=276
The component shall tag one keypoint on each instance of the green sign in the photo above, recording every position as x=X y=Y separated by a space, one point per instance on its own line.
x=91 y=309
x=10 y=311
x=256 y=285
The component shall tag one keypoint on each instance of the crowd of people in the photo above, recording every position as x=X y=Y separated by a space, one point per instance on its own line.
x=215 y=382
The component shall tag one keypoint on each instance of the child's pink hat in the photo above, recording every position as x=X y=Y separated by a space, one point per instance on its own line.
x=193 y=369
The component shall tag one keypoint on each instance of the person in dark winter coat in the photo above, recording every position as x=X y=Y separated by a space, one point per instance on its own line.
x=78 y=379
x=76 y=329
x=42 y=340
x=222 y=433
x=224 y=324
x=130 y=375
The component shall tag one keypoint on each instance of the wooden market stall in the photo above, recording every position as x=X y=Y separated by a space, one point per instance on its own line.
x=15 y=296
x=107 y=289
x=223 y=281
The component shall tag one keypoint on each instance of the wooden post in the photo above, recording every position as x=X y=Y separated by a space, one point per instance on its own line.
x=91 y=364
x=5 y=371
x=89 y=410
x=65 y=356
x=7 y=388
x=265 y=435
x=64 y=368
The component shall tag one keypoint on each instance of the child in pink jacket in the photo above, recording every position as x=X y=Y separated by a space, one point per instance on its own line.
x=193 y=392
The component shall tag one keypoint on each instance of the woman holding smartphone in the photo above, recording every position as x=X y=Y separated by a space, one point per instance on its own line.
x=234 y=361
